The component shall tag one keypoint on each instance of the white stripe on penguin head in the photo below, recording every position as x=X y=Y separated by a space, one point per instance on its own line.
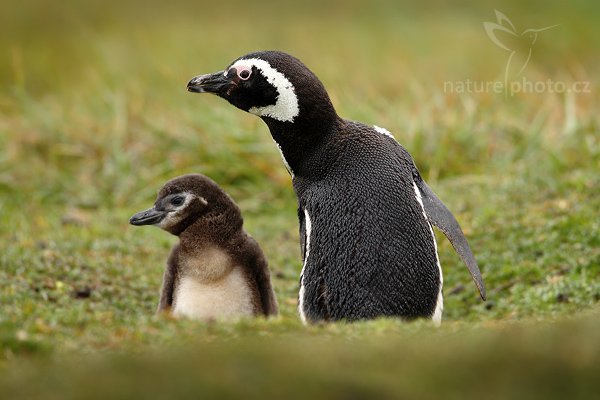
x=286 y=107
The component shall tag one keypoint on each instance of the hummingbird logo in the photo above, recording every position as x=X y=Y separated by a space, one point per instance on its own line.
x=520 y=45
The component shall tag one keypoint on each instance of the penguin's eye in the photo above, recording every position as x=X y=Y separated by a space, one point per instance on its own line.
x=244 y=73
x=177 y=200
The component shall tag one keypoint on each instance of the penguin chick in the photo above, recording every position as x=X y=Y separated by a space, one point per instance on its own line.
x=217 y=270
x=365 y=213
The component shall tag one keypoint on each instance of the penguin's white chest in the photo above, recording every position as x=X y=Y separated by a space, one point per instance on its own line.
x=226 y=298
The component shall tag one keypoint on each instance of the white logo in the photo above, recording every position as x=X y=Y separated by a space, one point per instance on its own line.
x=520 y=48
x=504 y=34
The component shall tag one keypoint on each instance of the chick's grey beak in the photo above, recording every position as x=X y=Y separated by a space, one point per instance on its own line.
x=148 y=217
x=209 y=83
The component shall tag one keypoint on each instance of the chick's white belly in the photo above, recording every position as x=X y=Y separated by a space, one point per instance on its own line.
x=226 y=298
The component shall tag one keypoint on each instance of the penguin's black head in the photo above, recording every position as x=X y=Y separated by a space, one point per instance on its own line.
x=271 y=84
x=186 y=200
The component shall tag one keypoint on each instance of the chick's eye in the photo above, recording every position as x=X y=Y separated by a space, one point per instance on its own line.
x=177 y=200
x=244 y=73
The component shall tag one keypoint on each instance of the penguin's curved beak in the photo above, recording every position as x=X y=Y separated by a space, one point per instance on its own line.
x=151 y=216
x=209 y=83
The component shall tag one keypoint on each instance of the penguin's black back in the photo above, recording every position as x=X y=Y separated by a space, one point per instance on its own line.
x=371 y=249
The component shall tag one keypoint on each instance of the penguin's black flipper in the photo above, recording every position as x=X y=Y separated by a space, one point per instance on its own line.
x=439 y=215
x=262 y=277
x=168 y=285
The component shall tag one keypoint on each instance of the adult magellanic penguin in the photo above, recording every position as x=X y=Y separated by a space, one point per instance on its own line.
x=365 y=213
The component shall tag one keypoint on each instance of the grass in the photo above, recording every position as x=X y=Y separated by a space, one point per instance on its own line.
x=95 y=118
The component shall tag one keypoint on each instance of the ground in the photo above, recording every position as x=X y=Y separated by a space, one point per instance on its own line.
x=95 y=118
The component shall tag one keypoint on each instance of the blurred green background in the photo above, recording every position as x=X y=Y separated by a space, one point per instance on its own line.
x=94 y=118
